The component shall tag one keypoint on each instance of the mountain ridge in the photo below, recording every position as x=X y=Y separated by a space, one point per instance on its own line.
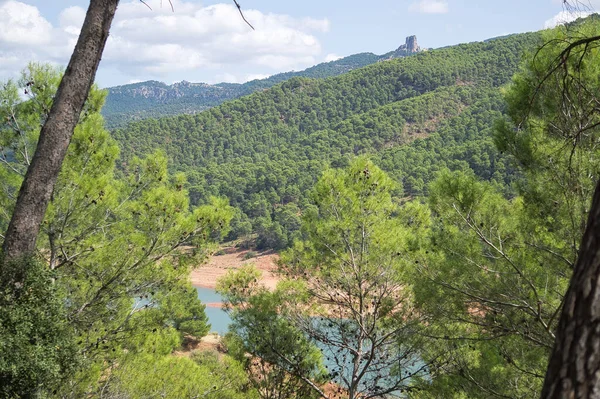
x=151 y=99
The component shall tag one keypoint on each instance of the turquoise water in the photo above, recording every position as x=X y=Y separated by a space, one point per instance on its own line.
x=220 y=321
x=217 y=317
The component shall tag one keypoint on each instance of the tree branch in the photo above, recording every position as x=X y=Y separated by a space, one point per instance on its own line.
x=146 y=4
x=242 y=14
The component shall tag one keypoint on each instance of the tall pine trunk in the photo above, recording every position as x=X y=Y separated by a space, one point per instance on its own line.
x=574 y=368
x=37 y=187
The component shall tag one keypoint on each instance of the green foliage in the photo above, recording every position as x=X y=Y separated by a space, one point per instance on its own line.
x=346 y=289
x=491 y=284
x=37 y=349
x=270 y=234
x=151 y=373
x=118 y=251
x=284 y=362
x=552 y=128
x=183 y=311
x=460 y=142
x=120 y=247
x=494 y=280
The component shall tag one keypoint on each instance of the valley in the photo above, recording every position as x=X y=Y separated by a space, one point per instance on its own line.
x=418 y=224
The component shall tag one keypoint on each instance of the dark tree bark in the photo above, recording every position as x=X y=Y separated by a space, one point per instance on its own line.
x=37 y=187
x=574 y=368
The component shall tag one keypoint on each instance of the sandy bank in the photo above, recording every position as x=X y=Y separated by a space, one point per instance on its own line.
x=206 y=276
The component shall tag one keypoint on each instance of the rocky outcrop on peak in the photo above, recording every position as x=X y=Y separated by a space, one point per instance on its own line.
x=410 y=47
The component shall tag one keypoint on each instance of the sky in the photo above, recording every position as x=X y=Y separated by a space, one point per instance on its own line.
x=207 y=41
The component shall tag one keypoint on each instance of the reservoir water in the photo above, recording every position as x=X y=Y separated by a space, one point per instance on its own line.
x=217 y=317
x=220 y=321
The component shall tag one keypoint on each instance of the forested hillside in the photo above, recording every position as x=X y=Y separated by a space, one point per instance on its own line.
x=415 y=115
x=152 y=99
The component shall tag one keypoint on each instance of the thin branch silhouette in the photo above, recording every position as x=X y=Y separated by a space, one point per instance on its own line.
x=146 y=4
x=235 y=1
x=242 y=14
x=170 y=2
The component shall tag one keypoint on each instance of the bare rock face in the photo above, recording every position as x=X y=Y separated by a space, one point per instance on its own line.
x=409 y=47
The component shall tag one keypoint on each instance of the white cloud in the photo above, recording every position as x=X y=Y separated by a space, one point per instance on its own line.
x=225 y=77
x=233 y=78
x=22 y=25
x=25 y=35
x=320 y=25
x=147 y=43
x=255 y=76
x=71 y=19
x=564 y=17
x=194 y=36
x=429 y=6
x=332 y=57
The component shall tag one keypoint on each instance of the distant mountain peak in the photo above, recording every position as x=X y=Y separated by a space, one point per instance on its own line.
x=410 y=46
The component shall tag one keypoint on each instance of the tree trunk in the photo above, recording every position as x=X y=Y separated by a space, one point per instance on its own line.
x=37 y=187
x=574 y=368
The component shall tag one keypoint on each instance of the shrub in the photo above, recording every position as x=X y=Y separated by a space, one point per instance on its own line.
x=37 y=348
